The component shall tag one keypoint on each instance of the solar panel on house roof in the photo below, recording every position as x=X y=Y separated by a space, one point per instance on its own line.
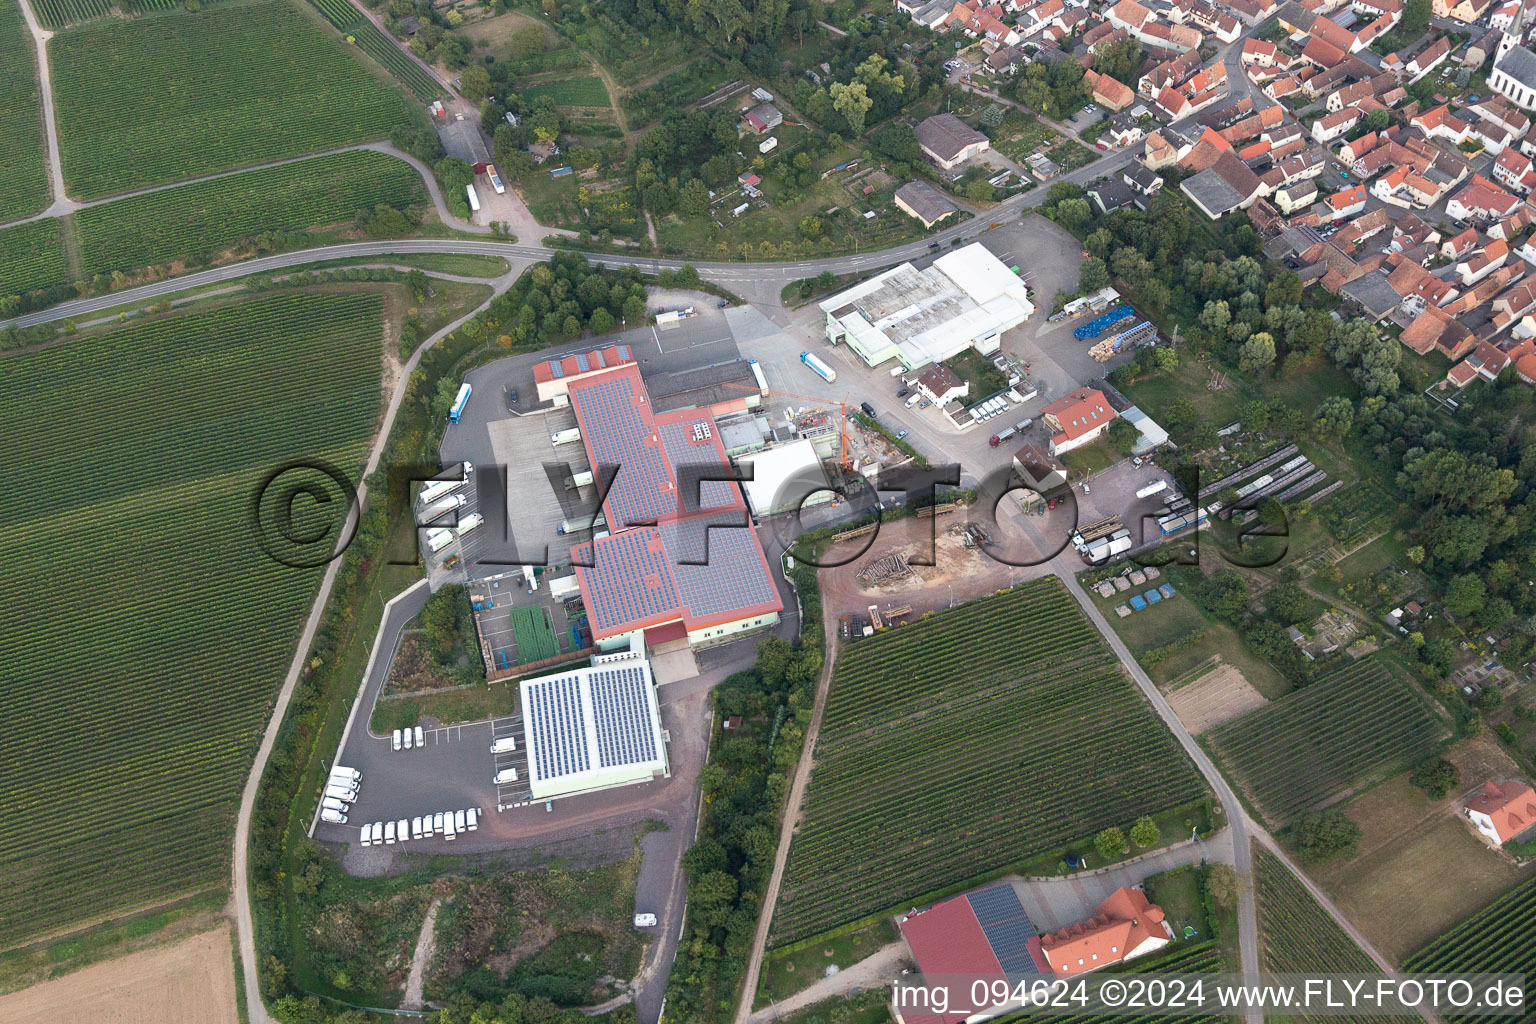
x=1007 y=927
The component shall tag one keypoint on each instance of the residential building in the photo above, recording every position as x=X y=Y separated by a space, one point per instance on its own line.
x=1077 y=419
x=1125 y=926
x=949 y=142
x=1502 y=812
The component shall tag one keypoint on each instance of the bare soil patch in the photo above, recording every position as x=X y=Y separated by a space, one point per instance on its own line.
x=1421 y=868
x=189 y=982
x=1219 y=695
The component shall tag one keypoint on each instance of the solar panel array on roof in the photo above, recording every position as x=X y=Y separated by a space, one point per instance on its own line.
x=630 y=580
x=558 y=723
x=733 y=576
x=619 y=434
x=696 y=462
x=621 y=707
x=1007 y=927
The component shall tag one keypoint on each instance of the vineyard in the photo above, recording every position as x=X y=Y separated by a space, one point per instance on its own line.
x=570 y=92
x=195 y=222
x=31 y=256
x=23 y=179
x=58 y=13
x=145 y=632
x=1202 y=959
x=353 y=24
x=1347 y=728
x=1497 y=939
x=943 y=753
x=235 y=85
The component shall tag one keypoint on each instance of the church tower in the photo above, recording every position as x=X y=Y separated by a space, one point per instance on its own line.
x=1512 y=36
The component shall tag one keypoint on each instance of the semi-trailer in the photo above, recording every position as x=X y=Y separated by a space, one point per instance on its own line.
x=818 y=367
x=434 y=489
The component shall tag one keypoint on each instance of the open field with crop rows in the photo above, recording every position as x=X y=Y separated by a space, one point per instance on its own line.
x=366 y=36
x=1499 y=939
x=31 y=256
x=1201 y=959
x=145 y=632
x=1342 y=731
x=570 y=92
x=164 y=99
x=195 y=222
x=965 y=742
x=23 y=178
x=57 y=13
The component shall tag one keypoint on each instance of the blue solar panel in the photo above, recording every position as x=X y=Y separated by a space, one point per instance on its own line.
x=621 y=704
x=619 y=434
x=559 y=726
x=732 y=576
x=1007 y=927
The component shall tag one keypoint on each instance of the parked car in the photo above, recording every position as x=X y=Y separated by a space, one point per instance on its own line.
x=902 y=434
x=406 y=733
x=903 y=393
x=1100 y=145
x=722 y=303
x=420 y=737
x=395 y=740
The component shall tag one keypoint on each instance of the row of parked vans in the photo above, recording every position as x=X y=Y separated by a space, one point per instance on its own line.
x=403 y=737
x=448 y=824
x=341 y=787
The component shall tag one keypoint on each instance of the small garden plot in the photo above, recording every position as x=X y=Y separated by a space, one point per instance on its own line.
x=569 y=92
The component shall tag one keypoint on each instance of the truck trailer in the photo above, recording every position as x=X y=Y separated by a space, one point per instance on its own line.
x=1156 y=487
x=818 y=367
x=434 y=489
x=460 y=401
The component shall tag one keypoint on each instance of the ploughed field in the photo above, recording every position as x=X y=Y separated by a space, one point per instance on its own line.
x=145 y=631
x=965 y=742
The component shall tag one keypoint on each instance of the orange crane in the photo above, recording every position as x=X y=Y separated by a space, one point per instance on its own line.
x=842 y=421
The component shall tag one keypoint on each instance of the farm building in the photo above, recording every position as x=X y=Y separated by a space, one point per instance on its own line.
x=681 y=561
x=982 y=935
x=764 y=117
x=462 y=139
x=594 y=727
x=722 y=388
x=553 y=378
x=1077 y=419
x=784 y=477
x=1502 y=812
x=949 y=142
x=966 y=299
x=1125 y=926
x=921 y=200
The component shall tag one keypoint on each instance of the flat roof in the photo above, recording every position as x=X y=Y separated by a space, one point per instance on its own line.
x=592 y=727
x=782 y=476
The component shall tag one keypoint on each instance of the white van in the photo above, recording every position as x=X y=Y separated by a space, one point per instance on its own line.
x=330 y=803
x=403 y=828
x=472 y=817
x=341 y=793
x=504 y=776
x=415 y=828
x=367 y=834
x=334 y=817
x=505 y=745
x=420 y=737
x=407 y=734
x=389 y=833
x=343 y=772
x=459 y=824
x=395 y=740
x=448 y=829
x=437 y=823
x=913 y=399
x=645 y=920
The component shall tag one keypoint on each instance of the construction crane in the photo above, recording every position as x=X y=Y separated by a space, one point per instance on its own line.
x=842 y=420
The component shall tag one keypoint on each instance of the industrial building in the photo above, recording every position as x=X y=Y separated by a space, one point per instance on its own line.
x=554 y=377
x=966 y=299
x=784 y=477
x=680 y=559
x=593 y=727
x=981 y=936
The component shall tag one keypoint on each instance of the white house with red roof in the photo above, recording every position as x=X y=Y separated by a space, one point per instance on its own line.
x=1125 y=926
x=1078 y=419
x=1500 y=812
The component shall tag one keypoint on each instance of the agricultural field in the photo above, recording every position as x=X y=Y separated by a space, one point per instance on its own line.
x=31 y=256
x=570 y=92
x=1497 y=939
x=23 y=178
x=195 y=223
x=939 y=745
x=1205 y=958
x=366 y=36
x=58 y=13
x=235 y=85
x=1344 y=730
x=145 y=629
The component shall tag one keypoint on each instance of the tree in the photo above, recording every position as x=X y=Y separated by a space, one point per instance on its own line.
x=1256 y=354
x=1092 y=275
x=1436 y=776
x=1465 y=595
x=1324 y=835
x=979 y=191
x=693 y=198
x=1145 y=832
x=899 y=142
x=852 y=101
x=1180 y=411
x=1216 y=316
x=1110 y=843
x=1333 y=417
x=1224 y=885
x=1225 y=594
x=1416 y=14
x=475 y=82
x=811 y=227
x=1122 y=435
x=1378 y=120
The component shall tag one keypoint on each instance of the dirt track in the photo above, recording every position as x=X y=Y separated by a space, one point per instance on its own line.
x=188 y=982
